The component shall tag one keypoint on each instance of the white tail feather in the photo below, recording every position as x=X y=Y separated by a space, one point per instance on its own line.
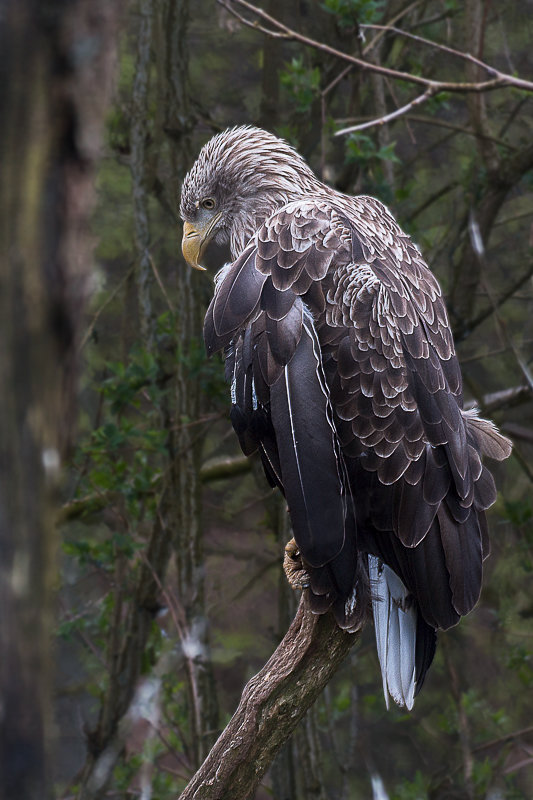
x=395 y=626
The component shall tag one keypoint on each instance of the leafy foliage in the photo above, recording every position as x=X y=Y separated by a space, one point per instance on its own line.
x=350 y=12
x=302 y=83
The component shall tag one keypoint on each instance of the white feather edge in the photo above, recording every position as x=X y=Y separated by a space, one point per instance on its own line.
x=395 y=626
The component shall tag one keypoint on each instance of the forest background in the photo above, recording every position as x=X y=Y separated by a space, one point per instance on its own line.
x=171 y=594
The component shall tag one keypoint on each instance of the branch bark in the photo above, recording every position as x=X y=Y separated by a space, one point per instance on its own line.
x=272 y=704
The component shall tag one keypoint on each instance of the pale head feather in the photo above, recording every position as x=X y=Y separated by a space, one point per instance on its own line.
x=250 y=173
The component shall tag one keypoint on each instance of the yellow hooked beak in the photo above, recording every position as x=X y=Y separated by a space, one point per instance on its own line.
x=195 y=239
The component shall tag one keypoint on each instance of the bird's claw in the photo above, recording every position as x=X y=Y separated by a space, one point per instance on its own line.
x=297 y=575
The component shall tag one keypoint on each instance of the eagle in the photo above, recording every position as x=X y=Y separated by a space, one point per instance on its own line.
x=343 y=375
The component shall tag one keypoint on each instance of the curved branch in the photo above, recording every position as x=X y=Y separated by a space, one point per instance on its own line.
x=272 y=704
x=389 y=117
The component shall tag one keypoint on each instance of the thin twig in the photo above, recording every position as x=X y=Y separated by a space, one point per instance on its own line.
x=442 y=123
x=428 y=202
x=404 y=11
x=490 y=353
x=367 y=49
x=496 y=401
x=256 y=577
x=160 y=282
x=104 y=305
x=520 y=765
x=505 y=335
x=177 y=612
x=428 y=42
x=82 y=635
x=502 y=739
x=417 y=101
x=462 y=333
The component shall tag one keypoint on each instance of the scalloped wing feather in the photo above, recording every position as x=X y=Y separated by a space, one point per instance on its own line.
x=365 y=398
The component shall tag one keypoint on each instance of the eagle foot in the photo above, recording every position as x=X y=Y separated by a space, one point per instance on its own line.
x=297 y=575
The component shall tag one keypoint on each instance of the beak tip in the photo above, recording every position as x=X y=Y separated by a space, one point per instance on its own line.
x=192 y=246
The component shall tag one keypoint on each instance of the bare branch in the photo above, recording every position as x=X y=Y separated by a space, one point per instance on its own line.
x=90 y=503
x=107 y=301
x=518 y=431
x=465 y=331
x=217 y=469
x=417 y=101
x=442 y=123
x=368 y=48
x=272 y=704
x=161 y=284
x=506 y=398
x=503 y=739
x=436 y=45
x=280 y=30
x=506 y=338
x=402 y=13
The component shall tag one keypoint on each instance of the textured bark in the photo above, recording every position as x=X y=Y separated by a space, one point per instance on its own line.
x=475 y=24
x=186 y=443
x=139 y=129
x=297 y=770
x=272 y=704
x=272 y=63
x=52 y=104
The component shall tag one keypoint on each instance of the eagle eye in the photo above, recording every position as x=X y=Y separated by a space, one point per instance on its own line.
x=208 y=203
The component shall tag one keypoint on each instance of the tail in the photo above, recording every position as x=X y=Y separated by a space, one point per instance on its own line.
x=489 y=440
x=405 y=643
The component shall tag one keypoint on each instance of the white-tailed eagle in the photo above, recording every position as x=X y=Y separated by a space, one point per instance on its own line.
x=344 y=376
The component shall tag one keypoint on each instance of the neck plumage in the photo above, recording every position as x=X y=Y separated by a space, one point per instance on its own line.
x=257 y=208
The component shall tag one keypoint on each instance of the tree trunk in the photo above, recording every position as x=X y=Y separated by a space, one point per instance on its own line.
x=52 y=105
x=187 y=443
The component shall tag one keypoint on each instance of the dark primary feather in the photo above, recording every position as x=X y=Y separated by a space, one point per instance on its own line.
x=344 y=376
x=311 y=470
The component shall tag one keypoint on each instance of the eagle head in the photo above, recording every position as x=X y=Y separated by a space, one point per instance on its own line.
x=240 y=177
